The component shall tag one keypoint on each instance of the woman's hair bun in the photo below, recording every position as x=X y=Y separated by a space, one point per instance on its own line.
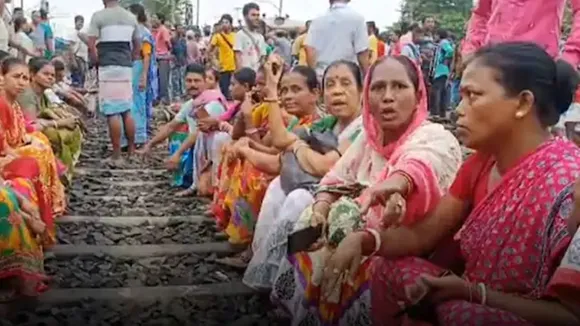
x=567 y=80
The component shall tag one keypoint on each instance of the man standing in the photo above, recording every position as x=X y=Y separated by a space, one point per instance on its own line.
x=221 y=52
x=298 y=50
x=250 y=45
x=119 y=43
x=79 y=53
x=411 y=50
x=427 y=47
x=163 y=53
x=282 y=45
x=179 y=51
x=373 y=41
x=339 y=34
x=42 y=35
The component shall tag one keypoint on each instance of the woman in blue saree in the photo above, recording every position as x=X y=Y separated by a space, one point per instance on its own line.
x=145 y=84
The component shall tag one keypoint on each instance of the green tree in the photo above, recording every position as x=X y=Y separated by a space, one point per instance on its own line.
x=174 y=10
x=450 y=14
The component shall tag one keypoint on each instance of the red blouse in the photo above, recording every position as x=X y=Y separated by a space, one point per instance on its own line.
x=472 y=180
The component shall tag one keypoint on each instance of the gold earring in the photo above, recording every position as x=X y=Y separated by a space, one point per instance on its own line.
x=519 y=115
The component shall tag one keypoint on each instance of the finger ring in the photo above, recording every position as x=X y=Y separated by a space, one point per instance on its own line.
x=336 y=271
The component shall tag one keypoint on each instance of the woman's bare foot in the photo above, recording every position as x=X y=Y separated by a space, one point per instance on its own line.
x=36 y=226
x=239 y=261
x=186 y=193
x=114 y=161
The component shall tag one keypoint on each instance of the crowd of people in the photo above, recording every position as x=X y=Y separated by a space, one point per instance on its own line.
x=348 y=204
x=41 y=136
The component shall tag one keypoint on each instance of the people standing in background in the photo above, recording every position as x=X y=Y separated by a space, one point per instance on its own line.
x=381 y=47
x=427 y=48
x=250 y=46
x=119 y=42
x=162 y=37
x=339 y=34
x=17 y=12
x=205 y=39
x=179 y=51
x=394 y=46
x=79 y=53
x=145 y=81
x=7 y=33
x=373 y=41
x=201 y=47
x=282 y=45
x=21 y=28
x=455 y=76
x=298 y=50
x=193 y=51
x=411 y=50
x=221 y=51
x=440 y=75
x=42 y=35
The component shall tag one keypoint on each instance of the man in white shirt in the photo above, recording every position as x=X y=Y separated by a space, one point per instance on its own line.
x=79 y=53
x=250 y=46
x=339 y=34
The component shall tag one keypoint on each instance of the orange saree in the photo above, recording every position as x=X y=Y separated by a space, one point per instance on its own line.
x=33 y=145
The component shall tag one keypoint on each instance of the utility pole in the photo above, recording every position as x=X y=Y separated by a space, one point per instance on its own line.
x=197 y=12
x=280 y=6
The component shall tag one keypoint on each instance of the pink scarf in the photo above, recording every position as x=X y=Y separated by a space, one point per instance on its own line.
x=425 y=152
x=233 y=109
x=207 y=96
x=371 y=126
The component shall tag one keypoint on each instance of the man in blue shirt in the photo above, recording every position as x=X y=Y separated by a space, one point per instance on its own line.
x=179 y=52
x=440 y=73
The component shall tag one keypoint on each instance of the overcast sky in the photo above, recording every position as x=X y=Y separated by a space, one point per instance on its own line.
x=383 y=12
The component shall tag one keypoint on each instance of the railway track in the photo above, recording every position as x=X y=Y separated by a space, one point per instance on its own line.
x=129 y=253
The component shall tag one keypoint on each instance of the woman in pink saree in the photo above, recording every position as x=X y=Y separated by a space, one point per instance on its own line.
x=398 y=150
x=509 y=202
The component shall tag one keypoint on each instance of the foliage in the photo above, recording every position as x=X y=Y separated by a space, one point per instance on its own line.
x=567 y=23
x=173 y=10
x=451 y=14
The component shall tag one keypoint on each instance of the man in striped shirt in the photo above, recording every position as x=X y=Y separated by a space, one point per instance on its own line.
x=116 y=30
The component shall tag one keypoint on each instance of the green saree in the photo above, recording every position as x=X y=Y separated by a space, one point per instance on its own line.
x=66 y=143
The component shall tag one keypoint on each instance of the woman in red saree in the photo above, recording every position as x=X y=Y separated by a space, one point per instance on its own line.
x=17 y=142
x=25 y=225
x=509 y=201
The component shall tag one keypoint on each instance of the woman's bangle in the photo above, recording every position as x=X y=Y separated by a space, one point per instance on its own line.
x=251 y=131
x=483 y=293
x=377 y=237
x=55 y=124
x=409 y=180
x=270 y=100
x=328 y=202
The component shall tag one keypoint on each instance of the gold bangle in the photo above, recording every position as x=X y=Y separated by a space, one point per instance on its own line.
x=328 y=202
x=270 y=100
x=409 y=183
